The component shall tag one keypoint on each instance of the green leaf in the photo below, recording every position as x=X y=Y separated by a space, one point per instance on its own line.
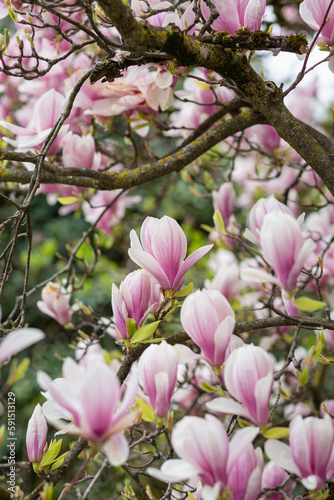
x=221 y=392
x=185 y=291
x=59 y=461
x=144 y=332
x=191 y=496
x=12 y=13
x=244 y=423
x=152 y=341
x=147 y=410
x=276 y=432
x=67 y=200
x=51 y=454
x=319 y=346
x=308 y=305
x=218 y=221
x=21 y=370
x=303 y=377
x=207 y=387
x=48 y=491
x=131 y=326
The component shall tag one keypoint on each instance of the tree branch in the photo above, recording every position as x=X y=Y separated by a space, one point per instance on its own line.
x=265 y=96
x=125 y=180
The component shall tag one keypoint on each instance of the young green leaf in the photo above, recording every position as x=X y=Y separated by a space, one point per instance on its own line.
x=144 y=332
x=308 y=305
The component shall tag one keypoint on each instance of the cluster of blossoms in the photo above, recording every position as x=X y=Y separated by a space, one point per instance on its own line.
x=223 y=373
x=88 y=400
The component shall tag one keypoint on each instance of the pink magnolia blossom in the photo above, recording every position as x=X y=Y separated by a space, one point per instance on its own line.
x=45 y=113
x=165 y=17
x=224 y=200
x=157 y=372
x=203 y=99
x=162 y=251
x=18 y=340
x=235 y=465
x=132 y=300
x=208 y=319
x=78 y=152
x=284 y=247
x=136 y=89
x=313 y=13
x=273 y=476
x=236 y=13
x=248 y=377
x=227 y=275
x=36 y=435
x=261 y=208
x=310 y=454
x=90 y=398
x=329 y=403
x=56 y=303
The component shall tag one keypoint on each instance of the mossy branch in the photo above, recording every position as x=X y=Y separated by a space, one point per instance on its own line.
x=84 y=177
x=264 y=96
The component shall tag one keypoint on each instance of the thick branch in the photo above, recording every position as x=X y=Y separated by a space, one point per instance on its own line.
x=265 y=96
x=111 y=180
x=258 y=40
x=243 y=326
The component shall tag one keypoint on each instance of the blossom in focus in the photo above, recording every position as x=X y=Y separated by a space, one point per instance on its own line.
x=157 y=372
x=162 y=251
x=132 y=300
x=248 y=377
x=314 y=14
x=36 y=435
x=56 y=303
x=208 y=319
x=310 y=454
x=234 y=464
x=224 y=200
x=90 y=398
x=18 y=340
x=236 y=13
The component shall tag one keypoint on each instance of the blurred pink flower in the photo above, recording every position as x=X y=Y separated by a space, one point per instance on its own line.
x=113 y=215
x=248 y=377
x=236 y=13
x=313 y=13
x=310 y=454
x=235 y=464
x=36 y=435
x=273 y=476
x=18 y=340
x=56 y=303
x=284 y=247
x=157 y=372
x=90 y=397
x=261 y=208
x=224 y=200
x=45 y=113
x=162 y=251
x=227 y=275
x=132 y=300
x=208 y=319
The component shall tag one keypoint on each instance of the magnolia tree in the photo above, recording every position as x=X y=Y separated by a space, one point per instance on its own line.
x=148 y=158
